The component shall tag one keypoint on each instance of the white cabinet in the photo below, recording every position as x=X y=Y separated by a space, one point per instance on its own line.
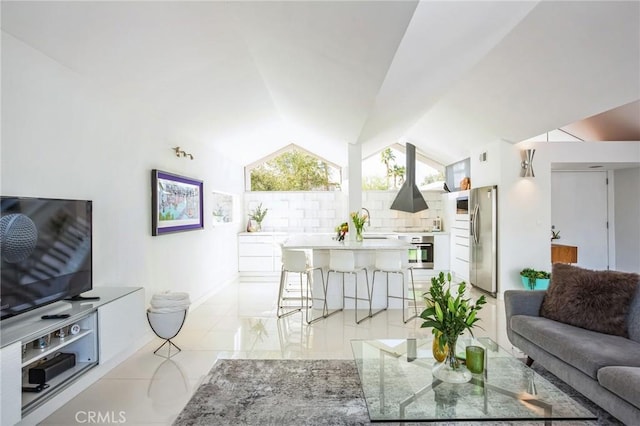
x=441 y=254
x=10 y=393
x=460 y=247
x=77 y=337
x=259 y=253
x=117 y=331
x=95 y=333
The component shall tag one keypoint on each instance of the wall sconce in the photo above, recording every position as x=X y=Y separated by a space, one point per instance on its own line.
x=181 y=153
x=527 y=163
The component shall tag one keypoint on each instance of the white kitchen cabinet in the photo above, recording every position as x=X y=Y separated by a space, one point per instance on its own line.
x=259 y=253
x=460 y=247
x=441 y=253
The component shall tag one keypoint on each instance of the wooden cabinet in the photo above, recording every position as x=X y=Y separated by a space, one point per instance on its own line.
x=564 y=254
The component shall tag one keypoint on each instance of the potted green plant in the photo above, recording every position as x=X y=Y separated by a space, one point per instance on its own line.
x=257 y=215
x=533 y=279
x=449 y=315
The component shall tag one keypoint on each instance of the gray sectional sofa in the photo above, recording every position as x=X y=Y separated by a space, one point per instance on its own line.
x=603 y=367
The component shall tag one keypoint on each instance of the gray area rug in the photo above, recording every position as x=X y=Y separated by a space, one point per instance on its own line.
x=278 y=392
x=306 y=392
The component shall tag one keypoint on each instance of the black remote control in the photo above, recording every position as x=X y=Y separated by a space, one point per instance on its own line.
x=56 y=316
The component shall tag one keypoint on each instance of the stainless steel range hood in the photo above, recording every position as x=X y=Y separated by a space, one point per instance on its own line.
x=409 y=198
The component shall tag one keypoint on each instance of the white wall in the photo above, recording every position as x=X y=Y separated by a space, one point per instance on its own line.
x=627 y=219
x=64 y=137
x=524 y=212
x=524 y=204
x=324 y=211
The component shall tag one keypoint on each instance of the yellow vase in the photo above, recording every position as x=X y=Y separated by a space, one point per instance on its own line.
x=439 y=353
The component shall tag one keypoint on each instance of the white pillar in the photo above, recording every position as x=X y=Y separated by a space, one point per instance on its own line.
x=355 y=184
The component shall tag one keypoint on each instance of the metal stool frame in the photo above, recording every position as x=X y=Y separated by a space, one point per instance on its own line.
x=291 y=257
x=348 y=270
x=399 y=271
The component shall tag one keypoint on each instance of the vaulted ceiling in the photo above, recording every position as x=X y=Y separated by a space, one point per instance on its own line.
x=251 y=77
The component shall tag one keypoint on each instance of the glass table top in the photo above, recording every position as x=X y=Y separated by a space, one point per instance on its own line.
x=398 y=385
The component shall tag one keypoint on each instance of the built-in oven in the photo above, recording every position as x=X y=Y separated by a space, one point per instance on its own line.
x=462 y=205
x=421 y=252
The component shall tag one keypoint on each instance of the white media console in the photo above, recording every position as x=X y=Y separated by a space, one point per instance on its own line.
x=100 y=334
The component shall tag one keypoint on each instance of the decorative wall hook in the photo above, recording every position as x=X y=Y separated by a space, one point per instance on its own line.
x=527 y=163
x=181 y=153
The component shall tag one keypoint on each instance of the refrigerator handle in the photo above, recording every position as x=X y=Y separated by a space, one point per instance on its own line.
x=474 y=224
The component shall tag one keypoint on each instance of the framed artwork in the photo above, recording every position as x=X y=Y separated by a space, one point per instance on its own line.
x=176 y=203
x=222 y=207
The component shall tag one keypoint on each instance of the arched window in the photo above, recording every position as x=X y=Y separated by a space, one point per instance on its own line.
x=386 y=169
x=292 y=168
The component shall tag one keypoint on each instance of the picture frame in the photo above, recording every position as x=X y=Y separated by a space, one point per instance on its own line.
x=223 y=207
x=176 y=203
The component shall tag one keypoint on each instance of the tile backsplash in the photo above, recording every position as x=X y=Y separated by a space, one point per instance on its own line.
x=323 y=211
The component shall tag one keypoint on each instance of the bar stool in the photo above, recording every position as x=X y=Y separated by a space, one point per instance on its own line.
x=343 y=262
x=390 y=262
x=295 y=261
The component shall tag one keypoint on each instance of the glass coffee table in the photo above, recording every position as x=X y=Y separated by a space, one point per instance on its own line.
x=398 y=386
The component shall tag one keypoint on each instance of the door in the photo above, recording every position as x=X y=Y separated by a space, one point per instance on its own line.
x=579 y=211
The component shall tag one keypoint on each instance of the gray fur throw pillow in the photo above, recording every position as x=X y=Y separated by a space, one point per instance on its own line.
x=594 y=300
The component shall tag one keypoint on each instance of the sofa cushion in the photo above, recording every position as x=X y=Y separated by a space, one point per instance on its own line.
x=623 y=381
x=595 y=300
x=588 y=351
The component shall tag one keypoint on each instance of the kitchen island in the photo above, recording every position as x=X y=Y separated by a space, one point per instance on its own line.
x=319 y=245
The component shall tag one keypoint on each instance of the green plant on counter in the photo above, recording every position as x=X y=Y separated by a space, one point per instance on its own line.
x=342 y=230
x=258 y=214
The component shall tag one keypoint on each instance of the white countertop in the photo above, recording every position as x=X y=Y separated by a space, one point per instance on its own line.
x=328 y=242
x=375 y=233
x=264 y=233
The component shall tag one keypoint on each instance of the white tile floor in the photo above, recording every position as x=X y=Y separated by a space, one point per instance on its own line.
x=238 y=322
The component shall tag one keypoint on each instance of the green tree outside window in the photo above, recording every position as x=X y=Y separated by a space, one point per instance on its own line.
x=293 y=171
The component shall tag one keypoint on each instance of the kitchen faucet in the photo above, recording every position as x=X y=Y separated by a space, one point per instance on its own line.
x=368 y=216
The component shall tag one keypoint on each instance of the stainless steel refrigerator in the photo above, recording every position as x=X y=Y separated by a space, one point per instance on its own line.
x=483 y=229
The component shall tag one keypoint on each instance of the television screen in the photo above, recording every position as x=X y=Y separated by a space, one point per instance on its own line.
x=46 y=251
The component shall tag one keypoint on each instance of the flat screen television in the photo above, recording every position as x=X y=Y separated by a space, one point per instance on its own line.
x=46 y=252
